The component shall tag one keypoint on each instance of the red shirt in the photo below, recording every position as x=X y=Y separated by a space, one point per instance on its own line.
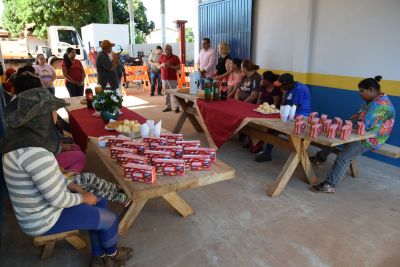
x=169 y=73
x=75 y=71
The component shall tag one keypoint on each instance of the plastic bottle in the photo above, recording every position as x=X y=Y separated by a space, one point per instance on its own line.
x=215 y=91
x=89 y=98
x=207 y=91
x=224 y=89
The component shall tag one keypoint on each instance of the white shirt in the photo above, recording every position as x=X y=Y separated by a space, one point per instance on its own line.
x=207 y=61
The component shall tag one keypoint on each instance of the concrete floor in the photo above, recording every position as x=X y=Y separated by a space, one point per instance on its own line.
x=237 y=224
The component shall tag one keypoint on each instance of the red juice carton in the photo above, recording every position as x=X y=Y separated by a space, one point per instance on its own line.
x=360 y=128
x=345 y=132
x=117 y=141
x=312 y=116
x=177 y=151
x=323 y=118
x=103 y=140
x=299 y=127
x=172 y=138
x=326 y=125
x=139 y=146
x=316 y=130
x=332 y=131
x=314 y=121
x=197 y=162
x=169 y=167
x=115 y=150
x=299 y=118
x=140 y=173
x=152 y=142
x=339 y=122
x=123 y=159
x=154 y=154
x=211 y=152
x=349 y=122
x=188 y=143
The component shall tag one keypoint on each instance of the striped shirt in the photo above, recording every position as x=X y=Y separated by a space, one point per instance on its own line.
x=38 y=189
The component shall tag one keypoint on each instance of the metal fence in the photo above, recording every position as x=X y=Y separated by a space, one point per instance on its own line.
x=175 y=49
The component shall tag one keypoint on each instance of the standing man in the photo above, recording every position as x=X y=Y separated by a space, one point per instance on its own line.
x=169 y=64
x=155 y=74
x=105 y=65
x=207 y=59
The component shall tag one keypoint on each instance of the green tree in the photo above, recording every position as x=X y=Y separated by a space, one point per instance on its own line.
x=189 y=35
x=143 y=27
x=45 y=13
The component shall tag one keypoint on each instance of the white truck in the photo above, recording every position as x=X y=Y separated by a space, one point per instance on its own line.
x=25 y=48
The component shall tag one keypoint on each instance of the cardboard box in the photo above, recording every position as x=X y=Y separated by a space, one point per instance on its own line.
x=326 y=125
x=299 y=127
x=140 y=173
x=188 y=143
x=197 y=162
x=115 y=150
x=323 y=118
x=339 y=122
x=211 y=152
x=349 y=122
x=345 y=132
x=154 y=154
x=360 y=128
x=315 y=121
x=316 y=130
x=172 y=137
x=312 y=116
x=139 y=146
x=332 y=131
x=152 y=142
x=123 y=159
x=299 y=118
x=169 y=167
x=177 y=151
x=117 y=141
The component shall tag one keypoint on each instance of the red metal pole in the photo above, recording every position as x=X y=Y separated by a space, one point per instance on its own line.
x=182 y=40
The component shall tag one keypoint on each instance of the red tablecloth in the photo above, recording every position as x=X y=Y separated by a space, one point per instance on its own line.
x=83 y=124
x=222 y=118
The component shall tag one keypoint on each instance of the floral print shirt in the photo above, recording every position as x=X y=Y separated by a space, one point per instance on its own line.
x=378 y=116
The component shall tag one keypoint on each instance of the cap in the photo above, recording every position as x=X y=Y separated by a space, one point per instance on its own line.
x=106 y=44
x=284 y=79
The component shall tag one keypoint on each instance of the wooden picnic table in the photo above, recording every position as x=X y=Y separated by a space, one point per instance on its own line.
x=166 y=187
x=258 y=128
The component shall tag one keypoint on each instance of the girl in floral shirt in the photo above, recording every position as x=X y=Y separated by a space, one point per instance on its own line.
x=378 y=116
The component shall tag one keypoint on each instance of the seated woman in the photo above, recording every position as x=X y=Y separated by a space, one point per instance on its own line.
x=43 y=200
x=235 y=76
x=249 y=87
x=273 y=96
x=70 y=157
x=378 y=115
x=224 y=60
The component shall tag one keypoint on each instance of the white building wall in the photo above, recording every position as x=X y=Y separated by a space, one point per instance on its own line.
x=341 y=37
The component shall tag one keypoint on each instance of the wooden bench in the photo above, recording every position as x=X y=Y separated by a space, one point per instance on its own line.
x=48 y=241
x=388 y=151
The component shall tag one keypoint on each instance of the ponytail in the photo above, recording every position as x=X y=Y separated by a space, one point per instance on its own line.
x=67 y=61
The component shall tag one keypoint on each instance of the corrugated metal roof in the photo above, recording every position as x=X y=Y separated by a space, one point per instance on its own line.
x=227 y=21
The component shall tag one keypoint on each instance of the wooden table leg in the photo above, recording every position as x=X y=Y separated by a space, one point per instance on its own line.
x=285 y=175
x=178 y=203
x=179 y=124
x=131 y=214
x=305 y=161
x=187 y=113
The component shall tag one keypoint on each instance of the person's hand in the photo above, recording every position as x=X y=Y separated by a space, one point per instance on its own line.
x=166 y=65
x=89 y=198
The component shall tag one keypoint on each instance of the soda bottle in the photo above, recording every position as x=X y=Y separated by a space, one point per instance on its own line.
x=89 y=98
x=207 y=91
x=216 y=91
x=224 y=90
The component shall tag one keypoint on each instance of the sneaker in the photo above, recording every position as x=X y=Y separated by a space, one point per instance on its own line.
x=97 y=262
x=316 y=160
x=263 y=158
x=152 y=94
x=323 y=187
x=123 y=254
x=177 y=110
x=167 y=110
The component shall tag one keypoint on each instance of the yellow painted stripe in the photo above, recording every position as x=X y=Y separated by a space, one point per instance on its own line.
x=390 y=87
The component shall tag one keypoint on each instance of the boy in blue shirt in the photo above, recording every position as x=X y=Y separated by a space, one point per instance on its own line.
x=293 y=93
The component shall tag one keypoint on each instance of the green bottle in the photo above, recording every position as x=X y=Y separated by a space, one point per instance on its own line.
x=216 y=91
x=207 y=91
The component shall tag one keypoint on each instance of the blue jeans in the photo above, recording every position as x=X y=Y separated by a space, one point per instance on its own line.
x=153 y=77
x=101 y=223
x=350 y=151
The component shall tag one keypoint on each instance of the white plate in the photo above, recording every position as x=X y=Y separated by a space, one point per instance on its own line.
x=265 y=113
